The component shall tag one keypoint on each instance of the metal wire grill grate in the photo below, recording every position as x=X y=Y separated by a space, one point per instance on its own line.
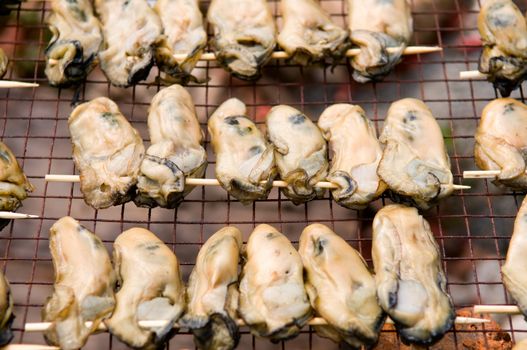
x=472 y=227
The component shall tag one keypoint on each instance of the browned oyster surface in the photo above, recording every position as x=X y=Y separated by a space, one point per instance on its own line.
x=503 y=30
x=244 y=35
x=356 y=153
x=340 y=287
x=3 y=62
x=131 y=30
x=245 y=165
x=300 y=152
x=176 y=152
x=6 y=311
x=501 y=141
x=107 y=150
x=72 y=51
x=83 y=286
x=212 y=292
x=414 y=164
x=411 y=283
x=273 y=299
x=149 y=288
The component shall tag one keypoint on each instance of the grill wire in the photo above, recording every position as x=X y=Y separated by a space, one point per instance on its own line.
x=472 y=227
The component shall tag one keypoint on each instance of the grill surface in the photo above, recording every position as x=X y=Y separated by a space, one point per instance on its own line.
x=472 y=227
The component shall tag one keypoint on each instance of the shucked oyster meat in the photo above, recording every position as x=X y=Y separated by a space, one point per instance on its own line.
x=245 y=164
x=6 y=311
x=414 y=163
x=411 y=284
x=212 y=292
x=83 y=286
x=244 y=35
x=3 y=62
x=300 y=152
x=131 y=31
x=107 y=150
x=341 y=289
x=150 y=288
x=308 y=34
x=356 y=155
x=273 y=300
x=72 y=51
x=375 y=26
x=176 y=152
x=503 y=30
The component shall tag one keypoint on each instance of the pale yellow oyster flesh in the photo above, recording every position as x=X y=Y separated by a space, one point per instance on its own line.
x=411 y=283
x=308 y=34
x=375 y=26
x=3 y=62
x=340 y=287
x=415 y=164
x=131 y=31
x=244 y=35
x=356 y=153
x=300 y=152
x=503 y=30
x=150 y=288
x=176 y=152
x=501 y=141
x=273 y=299
x=245 y=165
x=6 y=311
x=107 y=150
x=72 y=51
x=183 y=34
x=212 y=292
x=83 y=289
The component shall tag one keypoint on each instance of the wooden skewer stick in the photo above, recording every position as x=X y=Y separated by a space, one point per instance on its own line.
x=480 y=174
x=29 y=347
x=10 y=215
x=497 y=309
x=472 y=75
x=6 y=84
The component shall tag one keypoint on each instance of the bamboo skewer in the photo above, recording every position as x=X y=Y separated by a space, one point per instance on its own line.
x=480 y=174
x=472 y=75
x=29 y=347
x=6 y=84
x=10 y=215
x=497 y=309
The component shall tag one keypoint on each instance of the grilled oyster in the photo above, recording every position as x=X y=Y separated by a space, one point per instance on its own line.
x=107 y=150
x=3 y=62
x=184 y=34
x=176 y=152
x=300 y=152
x=411 y=284
x=244 y=35
x=83 y=287
x=375 y=26
x=308 y=33
x=244 y=160
x=341 y=289
x=6 y=311
x=150 y=288
x=503 y=31
x=131 y=31
x=213 y=292
x=273 y=300
x=414 y=163
x=72 y=51
x=356 y=155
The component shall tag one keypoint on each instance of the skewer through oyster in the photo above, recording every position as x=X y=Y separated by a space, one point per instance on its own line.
x=3 y=63
x=176 y=152
x=6 y=311
x=107 y=150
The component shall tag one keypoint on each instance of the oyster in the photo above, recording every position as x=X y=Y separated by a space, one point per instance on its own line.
x=244 y=35
x=503 y=31
x=131 y=31
x=340 y=287
x=356 y=155
x=414 y=163
x=213 y=292
x=300 y=152
x=273 y=300
x=375 y=26
x=150 y=288
x=14 y=185
x=83 y=287
x=411 y=284
x=72 y=51
x=107 y=150
x=501 y=141
x=6 y=311
x=3 y=62
x=176 y=152
x=245 y=164
x=184 y=34
x=308 y=33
